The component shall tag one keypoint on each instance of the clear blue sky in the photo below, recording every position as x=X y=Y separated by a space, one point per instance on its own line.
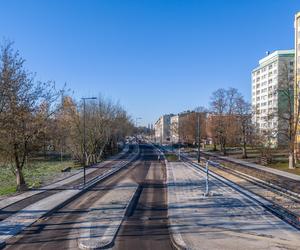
x=153 y=56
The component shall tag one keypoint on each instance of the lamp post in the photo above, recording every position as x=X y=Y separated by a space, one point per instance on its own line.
x=198 y=136
x=84 y=139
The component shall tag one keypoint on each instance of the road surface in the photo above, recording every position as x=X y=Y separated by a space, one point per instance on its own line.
x=148 y=218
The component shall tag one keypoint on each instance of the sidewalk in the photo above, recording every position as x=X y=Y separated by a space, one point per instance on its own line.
x=225 y=220
x=77 y=175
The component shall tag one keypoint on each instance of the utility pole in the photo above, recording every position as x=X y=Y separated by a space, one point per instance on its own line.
x=198 y=136
x=84 y=139
x=206 y=180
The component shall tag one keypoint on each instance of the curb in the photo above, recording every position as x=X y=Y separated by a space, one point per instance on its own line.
x=15 y=231
x=175 y=236
x=106 y=242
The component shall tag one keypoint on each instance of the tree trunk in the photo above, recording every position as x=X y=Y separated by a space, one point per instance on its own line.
x=224 y=148
x=291 y=156
x=245 y=150
x=21 y=184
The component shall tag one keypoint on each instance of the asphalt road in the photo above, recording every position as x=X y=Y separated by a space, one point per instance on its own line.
x=147 y=227
x=148 y=219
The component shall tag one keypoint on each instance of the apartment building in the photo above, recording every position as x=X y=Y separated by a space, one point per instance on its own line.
x=162 y=129
x=266 y=78
x=174 y=128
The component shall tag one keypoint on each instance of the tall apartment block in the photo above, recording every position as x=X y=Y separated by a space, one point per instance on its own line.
x=162 y=129
x=297 y=70
x=266 y=79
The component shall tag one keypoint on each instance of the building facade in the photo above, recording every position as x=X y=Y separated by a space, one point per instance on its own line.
x=162 y=129
x=266 y=100
x=174 y=128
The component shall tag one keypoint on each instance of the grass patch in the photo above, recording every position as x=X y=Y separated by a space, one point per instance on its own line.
x=171 y=157
x=284 y=166
x=38 y=172
x=35 y=173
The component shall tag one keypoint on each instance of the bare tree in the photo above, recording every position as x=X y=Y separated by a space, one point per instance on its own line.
x=243 y=111
x=26 y=105
x=107 y=123
x=223 y=107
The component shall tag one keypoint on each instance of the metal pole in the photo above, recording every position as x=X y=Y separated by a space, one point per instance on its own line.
x=198 y=137
x=206 y=179
x=84 y=147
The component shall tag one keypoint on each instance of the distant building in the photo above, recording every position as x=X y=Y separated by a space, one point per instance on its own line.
x=265 y=100
x=184 y=127
x=174 y=129
x=162 y=129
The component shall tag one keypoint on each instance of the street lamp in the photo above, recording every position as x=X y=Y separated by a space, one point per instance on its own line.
x=84 y=140
x=198 y=136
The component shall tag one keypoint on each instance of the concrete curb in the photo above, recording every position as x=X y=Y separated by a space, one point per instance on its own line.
x=176 y=238
x=106 y=241
x=14 y=228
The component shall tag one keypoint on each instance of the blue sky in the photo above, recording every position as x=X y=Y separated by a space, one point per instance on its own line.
x=153 y=56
